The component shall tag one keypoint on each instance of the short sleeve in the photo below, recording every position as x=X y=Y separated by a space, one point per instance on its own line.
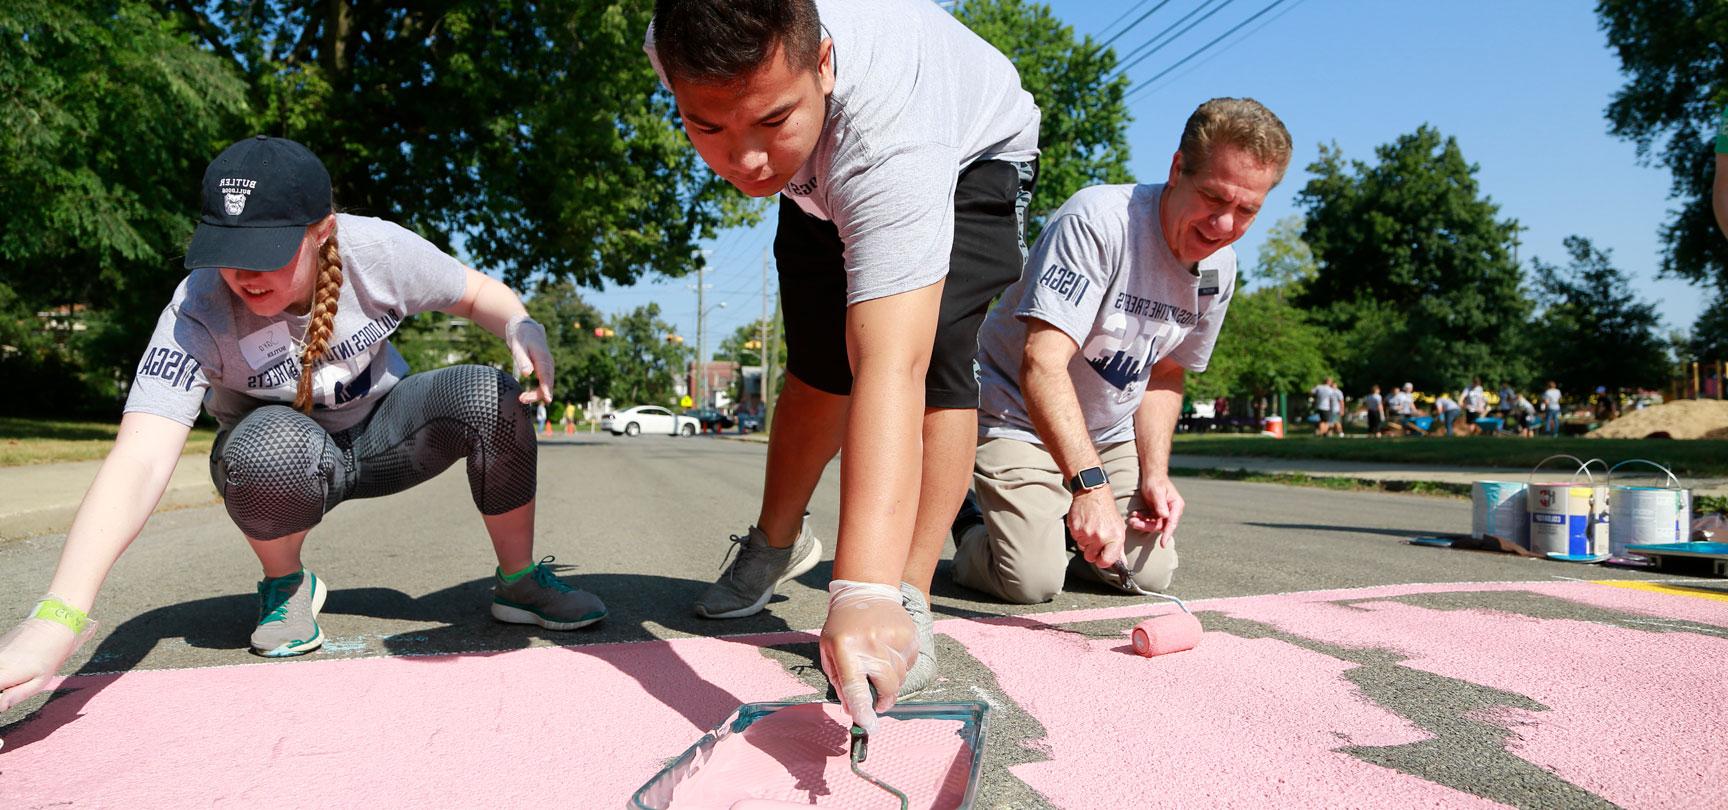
x=403 y=267
x=896 y=219
x=176 y=369
x=1072 y=268
x=1195 y=351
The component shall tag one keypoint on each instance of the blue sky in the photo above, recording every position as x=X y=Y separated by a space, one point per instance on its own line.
x=1521 y=85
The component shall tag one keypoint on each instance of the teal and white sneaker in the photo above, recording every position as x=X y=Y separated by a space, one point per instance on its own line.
x=540 y=597
x=288 y=615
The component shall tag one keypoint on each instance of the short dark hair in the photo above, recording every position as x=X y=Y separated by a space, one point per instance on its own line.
x=723 y=41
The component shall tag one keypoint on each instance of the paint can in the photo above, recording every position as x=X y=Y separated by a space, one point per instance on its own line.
x=1641 y=515
x=1273 y=427
x=1568 y=517
x=1497 y=508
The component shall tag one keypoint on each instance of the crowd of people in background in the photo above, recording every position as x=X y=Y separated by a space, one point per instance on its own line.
x=1472 y=410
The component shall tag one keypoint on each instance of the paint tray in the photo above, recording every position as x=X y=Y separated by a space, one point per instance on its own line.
x=965 y=720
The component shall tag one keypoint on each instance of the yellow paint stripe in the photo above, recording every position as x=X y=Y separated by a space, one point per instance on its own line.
x=1657 y=587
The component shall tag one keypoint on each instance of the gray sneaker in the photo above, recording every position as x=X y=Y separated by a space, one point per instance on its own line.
x=749 y=582
x=288 y=615
x=542 y=598
x=924 y=670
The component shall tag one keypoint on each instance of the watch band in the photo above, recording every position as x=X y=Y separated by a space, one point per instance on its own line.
x=1079 y=483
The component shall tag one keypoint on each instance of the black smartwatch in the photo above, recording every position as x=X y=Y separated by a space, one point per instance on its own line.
x=1089 y=478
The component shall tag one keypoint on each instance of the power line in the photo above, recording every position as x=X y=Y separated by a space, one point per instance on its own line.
x=1137 y=21
x=1202 y=49
x=1239 y=40
x=1123 y=71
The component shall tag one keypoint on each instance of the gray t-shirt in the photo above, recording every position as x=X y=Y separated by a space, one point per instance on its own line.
x=917 y=97
x=210 y=350
x=1372 y=402
x=1328 y=398
x=1102 y=273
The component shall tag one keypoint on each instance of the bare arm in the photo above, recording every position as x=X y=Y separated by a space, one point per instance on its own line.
x=488 y=302
x=1050 y=398
x=1093 y=520
x=889 y=342
x=1154 y=427
x=127 y=488
x=498 y=309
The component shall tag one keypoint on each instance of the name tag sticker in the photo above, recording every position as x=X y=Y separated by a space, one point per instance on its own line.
x=266 y=347
x=1209 y=281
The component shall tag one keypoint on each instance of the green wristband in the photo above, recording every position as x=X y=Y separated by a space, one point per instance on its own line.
x=59 y=612
x=1722 y=132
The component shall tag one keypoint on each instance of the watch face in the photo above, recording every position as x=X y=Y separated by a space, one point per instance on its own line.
x=1092 y=478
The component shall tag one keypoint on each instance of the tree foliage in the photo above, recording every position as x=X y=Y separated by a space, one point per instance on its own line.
x=743 y=346
x=1676 y=85
x=1591 y=331
x=1083 y=135
x=648 y=366
x=1285 y=261
x=1411 y=235
x=107 y=118
x=1266 y=346
x=533 y=131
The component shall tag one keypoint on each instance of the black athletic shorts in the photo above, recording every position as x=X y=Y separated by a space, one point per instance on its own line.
x=989 y=253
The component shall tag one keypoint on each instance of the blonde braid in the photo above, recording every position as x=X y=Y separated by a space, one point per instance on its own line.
x=325 y=292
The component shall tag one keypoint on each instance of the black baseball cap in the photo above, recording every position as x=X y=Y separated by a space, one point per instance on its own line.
x=259 y=196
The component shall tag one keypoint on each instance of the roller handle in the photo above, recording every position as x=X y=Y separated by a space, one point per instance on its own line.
x=1670 y=473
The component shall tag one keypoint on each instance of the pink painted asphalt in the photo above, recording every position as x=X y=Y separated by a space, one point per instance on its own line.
x=1238 y=722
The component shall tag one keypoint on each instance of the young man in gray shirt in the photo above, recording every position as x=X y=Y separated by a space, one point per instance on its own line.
x=903 y=151
x=1082 y=364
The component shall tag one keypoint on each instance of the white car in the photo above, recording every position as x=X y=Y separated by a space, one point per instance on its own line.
x=649 y=419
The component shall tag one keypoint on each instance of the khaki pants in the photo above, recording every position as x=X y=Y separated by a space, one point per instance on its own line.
x=1019 y=553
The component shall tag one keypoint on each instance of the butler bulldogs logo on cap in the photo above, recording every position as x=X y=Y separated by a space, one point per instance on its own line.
x=259 y=196
x=235 y=190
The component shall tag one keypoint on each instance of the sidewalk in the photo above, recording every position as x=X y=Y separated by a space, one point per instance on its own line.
x=1376 y=471
x=42 y=498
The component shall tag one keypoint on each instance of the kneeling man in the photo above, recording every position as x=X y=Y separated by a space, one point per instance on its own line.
x=1081 y=364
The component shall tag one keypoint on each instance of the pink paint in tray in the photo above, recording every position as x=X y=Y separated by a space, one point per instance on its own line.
x=797 y=754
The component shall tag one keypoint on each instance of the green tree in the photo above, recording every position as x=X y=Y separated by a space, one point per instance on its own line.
x=107 y=118
x=1083 y=134
x=1676 y=85
x=1709 y=338
x=1592 y=332
x=1266 y=346
x=1285 y=261
x=743 y=346
x=533 y=131
x=1411 y=235
x=647 y=365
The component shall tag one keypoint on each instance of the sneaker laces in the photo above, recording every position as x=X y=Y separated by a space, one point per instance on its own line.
x=273 y=595
x=741 y=544
x=544 y=577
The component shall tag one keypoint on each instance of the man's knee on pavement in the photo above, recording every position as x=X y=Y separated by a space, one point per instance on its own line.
x=1016 y=582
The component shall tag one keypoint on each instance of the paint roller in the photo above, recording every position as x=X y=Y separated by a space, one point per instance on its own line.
x=1163 y=634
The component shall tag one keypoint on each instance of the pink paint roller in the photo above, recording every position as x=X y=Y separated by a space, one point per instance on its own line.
x=1159 y=635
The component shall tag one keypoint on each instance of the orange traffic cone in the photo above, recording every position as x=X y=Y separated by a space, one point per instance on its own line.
x=548 y=427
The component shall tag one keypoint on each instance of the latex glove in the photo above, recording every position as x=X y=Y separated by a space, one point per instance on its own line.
x=32 y=653
x=1096 y=526
x=867 y=641
x=1166 y=504
x=531 y=354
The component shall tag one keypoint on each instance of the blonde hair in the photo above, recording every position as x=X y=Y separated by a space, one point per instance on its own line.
x=324 y=294
x=1240 y=122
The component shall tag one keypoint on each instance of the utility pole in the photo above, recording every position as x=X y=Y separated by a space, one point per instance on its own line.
x=770 y=325
x=701 y=368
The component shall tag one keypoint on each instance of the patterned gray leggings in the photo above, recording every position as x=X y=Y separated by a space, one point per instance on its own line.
x=279 y=472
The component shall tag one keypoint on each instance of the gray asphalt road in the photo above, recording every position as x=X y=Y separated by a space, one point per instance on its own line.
x=644 y=523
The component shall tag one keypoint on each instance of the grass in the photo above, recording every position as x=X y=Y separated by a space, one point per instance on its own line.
x=46 y=441
x=1699 y=457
